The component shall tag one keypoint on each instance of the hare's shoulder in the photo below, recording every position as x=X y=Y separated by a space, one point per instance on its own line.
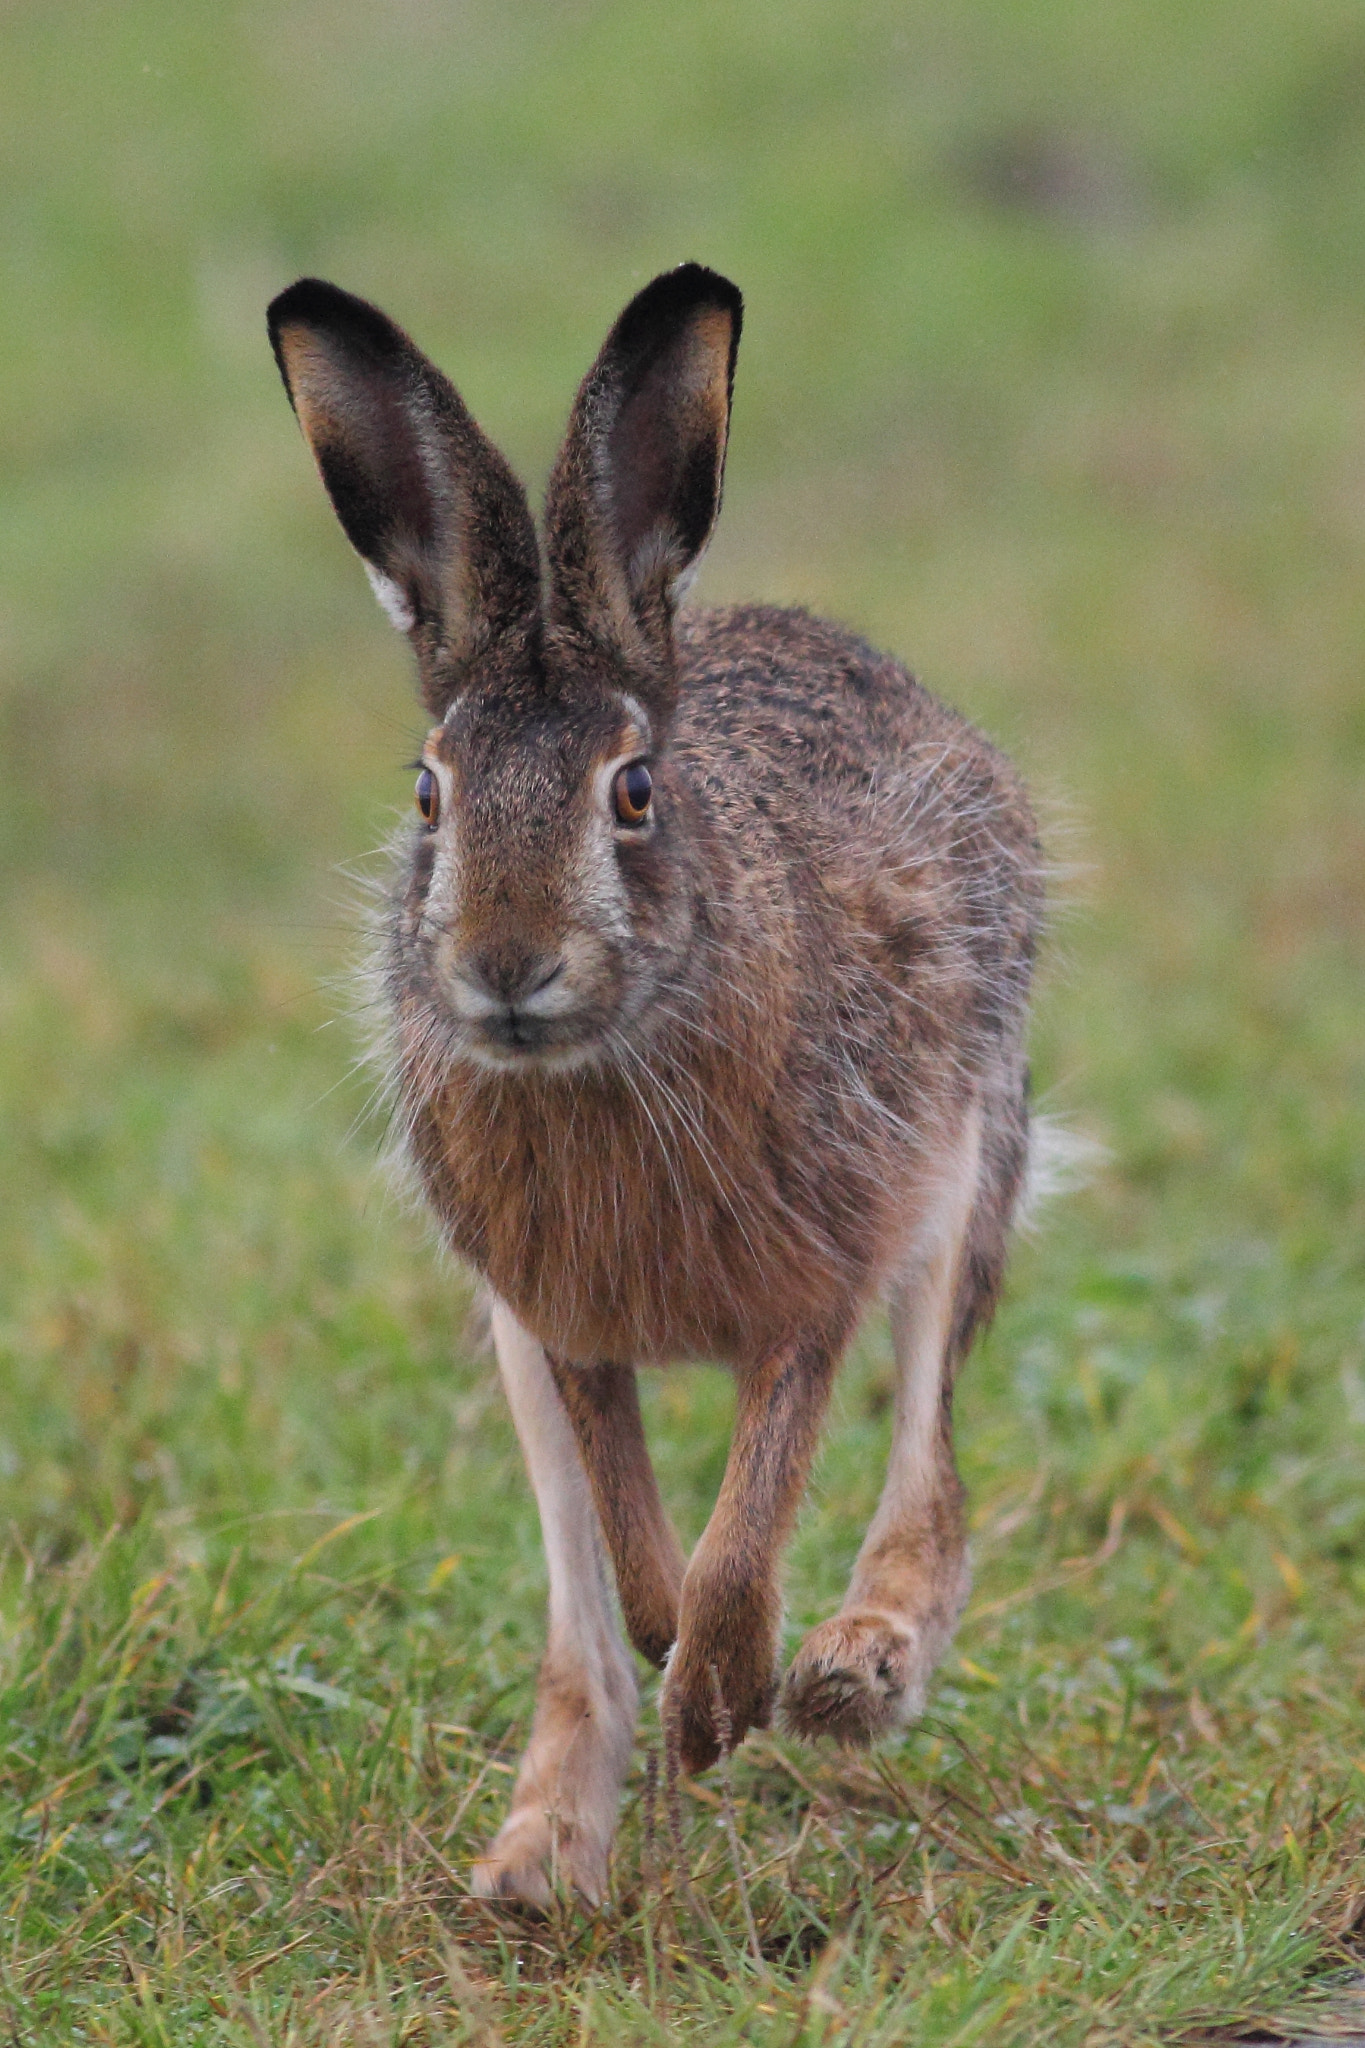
x=802 y=713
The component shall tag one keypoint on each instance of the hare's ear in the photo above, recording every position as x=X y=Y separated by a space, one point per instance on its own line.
x=433 y=510
x=636 y=489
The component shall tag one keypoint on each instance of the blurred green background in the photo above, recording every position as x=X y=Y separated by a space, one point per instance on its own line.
x=1053 y=381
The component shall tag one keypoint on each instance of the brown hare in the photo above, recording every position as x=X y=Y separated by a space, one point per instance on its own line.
x=707 y=969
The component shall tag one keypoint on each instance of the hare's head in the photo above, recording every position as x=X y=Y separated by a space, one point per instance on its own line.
x=554 y=866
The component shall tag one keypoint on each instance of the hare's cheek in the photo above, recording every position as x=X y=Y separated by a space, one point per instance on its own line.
x=423 y=868
x=650 y=885
x=600 y=895
x=432 y=897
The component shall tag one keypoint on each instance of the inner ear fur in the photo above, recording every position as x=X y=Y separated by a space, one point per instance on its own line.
x=635 y=493
x=427 y=501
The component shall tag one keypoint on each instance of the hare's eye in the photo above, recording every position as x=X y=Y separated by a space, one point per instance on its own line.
x=630 y=793
x=428 y=798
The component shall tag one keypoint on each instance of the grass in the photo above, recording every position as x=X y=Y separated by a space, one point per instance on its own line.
x=1052 y=380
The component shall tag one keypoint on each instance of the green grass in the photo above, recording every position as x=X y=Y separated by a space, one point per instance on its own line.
x=1052 y=381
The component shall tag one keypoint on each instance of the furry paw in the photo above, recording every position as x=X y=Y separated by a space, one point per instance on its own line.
x=534 y=1855
x=855 y=1677
x=557 y=1838
x=687 y=1709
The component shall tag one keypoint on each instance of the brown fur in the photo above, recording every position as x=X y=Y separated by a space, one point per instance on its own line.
x=603 y=1405
x=731 y=1600
x=697 y=1089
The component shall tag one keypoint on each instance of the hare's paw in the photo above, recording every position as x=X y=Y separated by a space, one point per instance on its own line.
x=688 y=1703
x=725 y=1657
x=856 y=1677
x=534 y=1855
x=557 y=1837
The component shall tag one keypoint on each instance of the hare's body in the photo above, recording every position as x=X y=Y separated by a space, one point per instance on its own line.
x=749 y=1156
x=707 y=976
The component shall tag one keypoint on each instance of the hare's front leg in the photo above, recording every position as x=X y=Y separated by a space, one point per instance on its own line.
x=731 y=1602
x=603 y=1404
x=865 y=1671
x=565 y=1800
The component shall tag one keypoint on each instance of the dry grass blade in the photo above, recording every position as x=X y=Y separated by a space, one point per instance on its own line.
x=650 y=1889
x=682 y=1883
x=725 y=1737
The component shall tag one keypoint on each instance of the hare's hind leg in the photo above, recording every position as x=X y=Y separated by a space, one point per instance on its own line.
x=567 y=1791
x=860 y=1674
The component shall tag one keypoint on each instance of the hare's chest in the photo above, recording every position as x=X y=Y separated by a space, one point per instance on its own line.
x=608 y=1243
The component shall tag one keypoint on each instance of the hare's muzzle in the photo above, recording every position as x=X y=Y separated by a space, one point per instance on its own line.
x=514 y=1005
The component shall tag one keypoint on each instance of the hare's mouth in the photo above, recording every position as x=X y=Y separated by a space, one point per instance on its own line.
x=518 y=1036
x=512 y=1035
x=528 y=1044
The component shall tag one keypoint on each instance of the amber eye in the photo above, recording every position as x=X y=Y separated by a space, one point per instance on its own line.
x=630 y=793
x=428 y=798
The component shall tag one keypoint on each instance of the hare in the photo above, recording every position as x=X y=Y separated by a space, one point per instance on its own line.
x=707 y=969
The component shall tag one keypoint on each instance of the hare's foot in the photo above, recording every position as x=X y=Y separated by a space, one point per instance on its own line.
x=857 y=1677
x=532 y=1856
x=727 y=1639
x=557 y=1837
x=536 y=1854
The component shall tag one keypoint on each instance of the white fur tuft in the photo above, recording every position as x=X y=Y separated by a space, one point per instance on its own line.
x=1060 y=1161
x=390 y=596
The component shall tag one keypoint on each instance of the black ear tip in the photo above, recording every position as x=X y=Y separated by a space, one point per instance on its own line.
x=674 y=297
x=309 y=301
x=326 y=308
x=702 y=285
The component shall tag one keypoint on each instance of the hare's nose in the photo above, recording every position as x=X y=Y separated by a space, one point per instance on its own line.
x=511 y=980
